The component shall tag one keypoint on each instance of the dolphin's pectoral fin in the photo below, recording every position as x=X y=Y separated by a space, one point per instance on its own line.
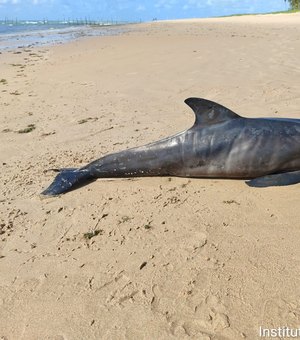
x=66 y=180
x=285 y=178
x=208 y=112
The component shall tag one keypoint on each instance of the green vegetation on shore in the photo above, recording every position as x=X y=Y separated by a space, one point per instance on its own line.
x=294 y=4
x=294 y=7
x=278 y=12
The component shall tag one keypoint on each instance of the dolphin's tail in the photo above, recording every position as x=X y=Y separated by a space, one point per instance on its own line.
x=66 y=180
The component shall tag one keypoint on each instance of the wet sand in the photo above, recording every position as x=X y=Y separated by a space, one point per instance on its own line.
x=150 y=258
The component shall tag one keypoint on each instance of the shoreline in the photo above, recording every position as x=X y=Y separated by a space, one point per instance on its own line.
x=144 y=258
x=51 y=37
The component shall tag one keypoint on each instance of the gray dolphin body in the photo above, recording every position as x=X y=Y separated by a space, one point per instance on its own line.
x=220 y=144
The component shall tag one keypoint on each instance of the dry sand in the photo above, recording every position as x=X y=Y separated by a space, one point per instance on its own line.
x=174 y=258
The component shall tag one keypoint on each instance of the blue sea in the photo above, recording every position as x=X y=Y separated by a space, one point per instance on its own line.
x=20 y=34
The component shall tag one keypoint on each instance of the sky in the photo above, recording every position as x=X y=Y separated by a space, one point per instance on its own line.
x=132 y=10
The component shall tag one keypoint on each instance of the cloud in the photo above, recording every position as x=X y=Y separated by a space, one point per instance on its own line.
x=140 y=8
x=39 y=2
x=197 y=4
x=9 y=2
x=22 y=2
x=208 y=3
x=167 y=4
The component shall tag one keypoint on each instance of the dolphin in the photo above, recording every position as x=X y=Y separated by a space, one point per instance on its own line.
x=220 y=144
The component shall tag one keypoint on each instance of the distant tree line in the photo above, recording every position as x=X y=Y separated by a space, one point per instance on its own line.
x=294 y=4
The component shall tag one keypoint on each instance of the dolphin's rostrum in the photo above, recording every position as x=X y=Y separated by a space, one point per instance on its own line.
x=220 y=144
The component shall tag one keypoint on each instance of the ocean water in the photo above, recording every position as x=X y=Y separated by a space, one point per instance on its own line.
x=20 y=34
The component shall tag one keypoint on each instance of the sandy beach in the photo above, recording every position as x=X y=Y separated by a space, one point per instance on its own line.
x=149 y=258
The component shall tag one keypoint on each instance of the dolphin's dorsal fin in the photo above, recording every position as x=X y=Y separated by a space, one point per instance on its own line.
x=208 y=112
